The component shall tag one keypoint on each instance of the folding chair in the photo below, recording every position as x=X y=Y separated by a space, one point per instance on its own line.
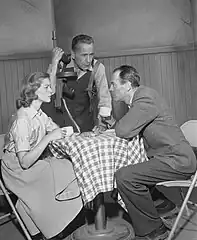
x=189 y=130
x=6 y=193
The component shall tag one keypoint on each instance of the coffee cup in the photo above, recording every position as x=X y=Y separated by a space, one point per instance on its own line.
x=68 y=130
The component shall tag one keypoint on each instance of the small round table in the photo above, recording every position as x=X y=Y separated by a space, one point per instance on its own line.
x=95 y=159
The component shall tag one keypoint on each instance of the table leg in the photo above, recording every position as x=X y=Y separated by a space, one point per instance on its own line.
x=103 y=229
x=100 y=218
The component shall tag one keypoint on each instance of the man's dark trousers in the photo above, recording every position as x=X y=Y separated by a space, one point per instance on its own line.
x=134 y=183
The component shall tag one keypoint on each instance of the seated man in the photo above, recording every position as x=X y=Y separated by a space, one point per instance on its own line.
x=81 y=107
x=170 y=155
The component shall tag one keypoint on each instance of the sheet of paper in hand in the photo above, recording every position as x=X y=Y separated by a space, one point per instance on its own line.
x=88 y=134
x=110 y=132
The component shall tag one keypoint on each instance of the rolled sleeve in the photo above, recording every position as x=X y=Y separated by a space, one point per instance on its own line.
x=105 y=111
x=104 y=96
x=21 y=135
x=49 y=123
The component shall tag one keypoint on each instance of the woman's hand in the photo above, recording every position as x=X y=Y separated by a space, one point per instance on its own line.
x=56 y=134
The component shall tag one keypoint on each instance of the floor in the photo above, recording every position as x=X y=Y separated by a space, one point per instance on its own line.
x=187 y=228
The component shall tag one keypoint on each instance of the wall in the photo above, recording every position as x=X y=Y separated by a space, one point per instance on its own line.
x=25 y=26
x=12 y=71
x=120 y=26
x=172 y=73
x=120 y=29
x=194 y=17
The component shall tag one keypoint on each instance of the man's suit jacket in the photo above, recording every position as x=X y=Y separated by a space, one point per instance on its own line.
x=150 y=117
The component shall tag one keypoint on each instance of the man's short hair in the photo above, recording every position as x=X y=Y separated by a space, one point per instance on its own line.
x=128 y=73
x=82 y=38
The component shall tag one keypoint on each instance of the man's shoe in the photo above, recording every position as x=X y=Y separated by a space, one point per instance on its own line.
x=168 y=212
x=165 y=208
x=160 y=233
x=38 y=236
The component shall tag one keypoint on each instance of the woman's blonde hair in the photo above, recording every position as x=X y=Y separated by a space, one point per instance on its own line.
x=30 y=84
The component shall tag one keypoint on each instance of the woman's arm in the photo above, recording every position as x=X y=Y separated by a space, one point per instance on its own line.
x=28 y=158
x=21 y=131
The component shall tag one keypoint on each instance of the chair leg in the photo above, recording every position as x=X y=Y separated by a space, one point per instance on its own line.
x=183 y=207
x=15 y=212
x=5 y=216
x=192 y=203
x=182 y=198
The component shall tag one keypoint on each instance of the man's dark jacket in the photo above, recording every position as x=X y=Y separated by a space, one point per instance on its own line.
x=150 y=117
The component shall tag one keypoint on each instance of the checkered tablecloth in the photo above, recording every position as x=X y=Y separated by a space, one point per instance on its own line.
x=96 y=159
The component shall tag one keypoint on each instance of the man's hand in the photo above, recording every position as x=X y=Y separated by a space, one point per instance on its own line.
x=99 y=129
x=52 y=69
x=100 y=126
x=103 y=124
x=56 y=55
x=108 y=121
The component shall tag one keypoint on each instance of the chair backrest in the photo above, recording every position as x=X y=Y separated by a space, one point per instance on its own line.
x=189 y=130
x=1 y=144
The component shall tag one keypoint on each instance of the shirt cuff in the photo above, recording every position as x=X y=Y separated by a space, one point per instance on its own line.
x=105 y=111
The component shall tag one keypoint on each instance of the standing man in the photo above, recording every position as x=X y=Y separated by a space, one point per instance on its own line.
x=170 y=155
x=91 y=81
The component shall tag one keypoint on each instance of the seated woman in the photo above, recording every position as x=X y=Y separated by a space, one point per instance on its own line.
x=35 y=179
